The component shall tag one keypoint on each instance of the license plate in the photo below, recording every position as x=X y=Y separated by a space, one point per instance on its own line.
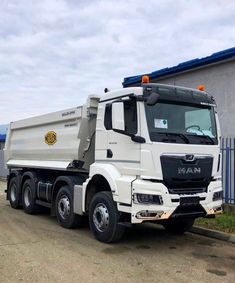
x=187 y=201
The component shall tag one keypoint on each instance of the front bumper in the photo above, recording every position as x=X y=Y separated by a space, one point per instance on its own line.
x=171 y=202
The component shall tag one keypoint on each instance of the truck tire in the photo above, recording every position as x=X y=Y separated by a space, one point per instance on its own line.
x=104 y=217
x=13 y=193
x=28 y=198
x=178 y=226
x=64 y=209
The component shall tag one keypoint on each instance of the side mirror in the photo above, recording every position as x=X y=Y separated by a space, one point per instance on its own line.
x=118 y=116
x=153 y=99
x=138 y=139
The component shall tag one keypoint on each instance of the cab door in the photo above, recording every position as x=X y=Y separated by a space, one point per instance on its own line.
x=122 y=151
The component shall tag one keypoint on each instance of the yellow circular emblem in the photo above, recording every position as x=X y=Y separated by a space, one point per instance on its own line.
x=50 y=138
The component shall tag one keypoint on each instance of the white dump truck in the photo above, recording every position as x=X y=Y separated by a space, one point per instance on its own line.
x=147 y=153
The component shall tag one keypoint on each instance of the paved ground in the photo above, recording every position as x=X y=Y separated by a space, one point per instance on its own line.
x=36 y=249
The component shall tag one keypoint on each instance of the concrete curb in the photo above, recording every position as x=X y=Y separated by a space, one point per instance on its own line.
x=229 y=208
x=213 y=234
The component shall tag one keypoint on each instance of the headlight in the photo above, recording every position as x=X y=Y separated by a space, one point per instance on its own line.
x=147 y=199
x=217 y=195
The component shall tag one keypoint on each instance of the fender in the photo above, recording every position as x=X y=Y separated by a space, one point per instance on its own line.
x=29 y=175
x=109 y=172
x=117 y=182
x=69 y=180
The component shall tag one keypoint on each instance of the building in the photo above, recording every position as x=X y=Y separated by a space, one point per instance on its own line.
x=216 y=72
x=2 y=141
x=3 y=170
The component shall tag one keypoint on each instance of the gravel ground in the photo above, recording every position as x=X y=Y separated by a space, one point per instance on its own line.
x=36 y=249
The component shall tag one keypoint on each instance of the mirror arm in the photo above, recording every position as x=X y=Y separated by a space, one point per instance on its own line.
x=140 y=98
x=153 y=98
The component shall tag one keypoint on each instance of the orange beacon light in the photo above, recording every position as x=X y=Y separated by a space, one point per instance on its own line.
x=201 y=88
x=145 y=79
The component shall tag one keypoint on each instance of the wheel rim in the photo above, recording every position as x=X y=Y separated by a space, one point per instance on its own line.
x=64 y=207
x=101 y=217
x=27 y=196
x=13 y=192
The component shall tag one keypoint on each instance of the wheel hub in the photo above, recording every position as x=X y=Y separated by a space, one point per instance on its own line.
x=101 y=217
x=64 y=207
x=27 y=196
x=13 y=192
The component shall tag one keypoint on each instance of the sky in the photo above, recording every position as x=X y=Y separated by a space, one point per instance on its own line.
x=54 y=53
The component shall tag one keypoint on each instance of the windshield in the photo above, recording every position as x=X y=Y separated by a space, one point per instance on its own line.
x=181 y=123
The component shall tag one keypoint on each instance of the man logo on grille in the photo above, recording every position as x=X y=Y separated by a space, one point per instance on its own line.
x=189 y=170
x=189 y=157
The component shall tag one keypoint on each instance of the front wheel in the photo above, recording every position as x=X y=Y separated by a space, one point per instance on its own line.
x=178 y=226
x=104 y=217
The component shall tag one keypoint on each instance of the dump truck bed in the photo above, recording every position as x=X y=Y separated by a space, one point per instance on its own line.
x=62 y=140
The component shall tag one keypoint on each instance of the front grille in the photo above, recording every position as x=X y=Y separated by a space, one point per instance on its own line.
x=181 y=176
x=187 y=191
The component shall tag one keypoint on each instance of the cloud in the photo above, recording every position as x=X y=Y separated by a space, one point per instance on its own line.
x=54 y=53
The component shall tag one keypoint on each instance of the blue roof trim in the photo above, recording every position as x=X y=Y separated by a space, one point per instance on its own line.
x=215 y=57
x=2 y=138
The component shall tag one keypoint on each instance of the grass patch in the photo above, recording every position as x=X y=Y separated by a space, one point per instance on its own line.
x=223 y=222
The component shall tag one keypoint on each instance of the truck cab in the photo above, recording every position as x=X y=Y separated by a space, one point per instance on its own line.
x=159 y=144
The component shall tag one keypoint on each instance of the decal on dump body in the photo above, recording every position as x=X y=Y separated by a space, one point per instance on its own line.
x=50 y=138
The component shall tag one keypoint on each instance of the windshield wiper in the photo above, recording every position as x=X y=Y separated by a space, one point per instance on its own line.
x=208 y=137
x=203 y=136
x=182 y=136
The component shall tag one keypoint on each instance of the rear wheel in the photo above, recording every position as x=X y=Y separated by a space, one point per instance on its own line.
x=13 y=193
x=104 y=217
x=178 y=226
x=28 y=198
x=64 y=209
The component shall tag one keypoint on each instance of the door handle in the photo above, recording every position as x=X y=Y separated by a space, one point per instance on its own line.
x=109 y=153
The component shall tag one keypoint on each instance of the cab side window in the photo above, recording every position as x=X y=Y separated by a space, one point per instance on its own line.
x=108 y=116
x=130 y=116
